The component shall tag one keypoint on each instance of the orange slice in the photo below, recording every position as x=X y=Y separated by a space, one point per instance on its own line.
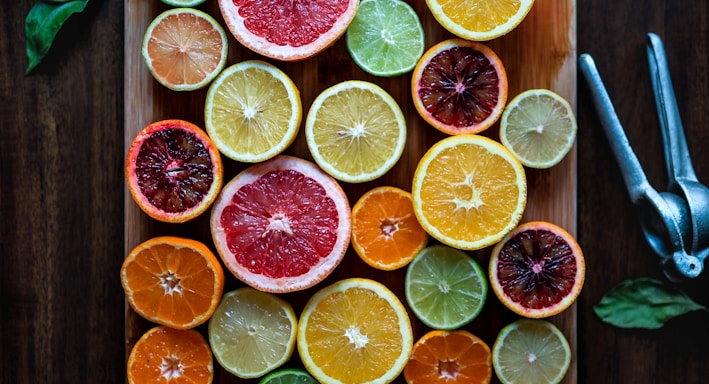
x=385 y=231
x=480 y=19
x=354 y=331
x=173 y=281
x=173 y=171
x=469 y=191
x=459 y=86
x=537 y=270
x=184 y=48
x=166 y=355
x=449 y=357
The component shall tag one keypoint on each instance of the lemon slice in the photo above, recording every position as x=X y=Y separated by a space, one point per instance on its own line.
x=252 y=332
x=252 y=111
x=355 y=131
x=539 y=127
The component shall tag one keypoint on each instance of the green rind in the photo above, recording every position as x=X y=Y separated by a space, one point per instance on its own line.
x=288 y=376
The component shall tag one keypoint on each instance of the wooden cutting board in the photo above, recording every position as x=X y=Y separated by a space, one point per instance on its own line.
x=539 y=53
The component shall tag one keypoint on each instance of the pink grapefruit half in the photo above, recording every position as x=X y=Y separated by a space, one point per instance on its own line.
x=288 y=30
x=282 y=225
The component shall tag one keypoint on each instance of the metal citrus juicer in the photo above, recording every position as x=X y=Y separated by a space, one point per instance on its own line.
x=675 y=222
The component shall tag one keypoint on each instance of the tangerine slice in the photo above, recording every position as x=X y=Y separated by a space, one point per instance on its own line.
x=173 y=171
x=537 y=270
x=282 y=225
x=459 y=86
x=173 y=281
x=385 y=232
x=449 y=357
x=289 y=31
x=167 y=355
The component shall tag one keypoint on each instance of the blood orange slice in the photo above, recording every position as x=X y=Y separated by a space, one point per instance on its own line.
x=537 y=270
x=288 y=30
x=459 y=86
x=282 y=225
x=173 y=171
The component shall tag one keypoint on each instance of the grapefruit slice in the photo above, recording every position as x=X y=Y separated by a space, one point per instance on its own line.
x=173 y=171
x=537 y=270
x=288 y=30
x=282 y=225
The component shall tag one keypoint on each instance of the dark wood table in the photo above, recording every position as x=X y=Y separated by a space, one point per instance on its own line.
x=61 y=194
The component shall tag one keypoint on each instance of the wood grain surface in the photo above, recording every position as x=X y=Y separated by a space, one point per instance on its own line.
x=62 y=201
x=540 y=53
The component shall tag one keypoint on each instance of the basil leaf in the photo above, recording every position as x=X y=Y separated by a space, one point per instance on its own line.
x=43 y=23
x=643 y=303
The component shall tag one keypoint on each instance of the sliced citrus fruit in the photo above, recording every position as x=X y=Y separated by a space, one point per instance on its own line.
x=537 y=270
x=531 y=351
x=289 y=31
x=385 y=232
x=184 y=48
x=173 y=281
x=459 y=86
x=183 y=3
x=479 y=20
x=539 y=127
x=451 y=357
x=288 y=376
x=355 y=131
x=167 y=355
x=252 y=111
x=173 y=170
x=252 y=332
x=354 y=331
x=386 y=37
x=282 y=225
x=444 y=287
x=469 y=191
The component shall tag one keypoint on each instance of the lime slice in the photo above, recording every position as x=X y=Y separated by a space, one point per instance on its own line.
x=252 y=332
x=386 y=37
x=445 y=288
x=539 y=127
x=288 y=376
x=531 y=351
x=183 y=3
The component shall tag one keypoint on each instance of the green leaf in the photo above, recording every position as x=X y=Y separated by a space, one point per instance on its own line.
x=643 y=303
x=42 y=25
